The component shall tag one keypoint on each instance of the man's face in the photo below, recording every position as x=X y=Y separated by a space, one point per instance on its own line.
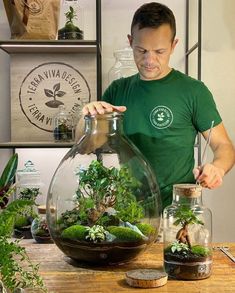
x=152 y=48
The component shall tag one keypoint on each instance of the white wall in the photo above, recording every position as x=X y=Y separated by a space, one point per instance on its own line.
x=218 y=72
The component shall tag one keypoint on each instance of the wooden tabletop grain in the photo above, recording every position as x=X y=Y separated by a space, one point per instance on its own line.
x=61 y=274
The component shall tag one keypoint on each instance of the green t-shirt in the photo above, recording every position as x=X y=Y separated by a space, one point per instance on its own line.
x=162 y=119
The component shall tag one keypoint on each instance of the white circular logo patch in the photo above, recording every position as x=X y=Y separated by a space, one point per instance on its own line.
x=161 y=117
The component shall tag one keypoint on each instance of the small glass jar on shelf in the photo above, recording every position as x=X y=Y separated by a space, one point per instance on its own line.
x=187 y=234
x=39 y=228
x=124 y=64
x=28 y=188
x=71 y=21
x=63 y=126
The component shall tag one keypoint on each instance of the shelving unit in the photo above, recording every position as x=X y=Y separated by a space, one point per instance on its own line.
x=56 y=47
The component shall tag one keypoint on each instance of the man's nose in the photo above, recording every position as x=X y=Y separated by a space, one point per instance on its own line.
x=150 y=57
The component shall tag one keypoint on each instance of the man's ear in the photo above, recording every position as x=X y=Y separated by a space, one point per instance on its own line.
x=130 y=39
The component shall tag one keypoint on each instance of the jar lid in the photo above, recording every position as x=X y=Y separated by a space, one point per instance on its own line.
x=189 y=190
x=110 y=115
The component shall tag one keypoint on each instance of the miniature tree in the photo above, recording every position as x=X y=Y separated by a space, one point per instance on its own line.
x=185 y=217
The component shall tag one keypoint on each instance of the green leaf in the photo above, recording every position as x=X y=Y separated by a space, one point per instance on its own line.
x=9 y=171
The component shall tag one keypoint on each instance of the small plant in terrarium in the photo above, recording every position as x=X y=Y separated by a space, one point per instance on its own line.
x=24 y=219
x=106 y=209
x=70 y=30
x=183 y=249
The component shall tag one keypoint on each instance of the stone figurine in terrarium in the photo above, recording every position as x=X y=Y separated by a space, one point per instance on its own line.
x=187 y=235
x=28 y=187
x=70 y=29
x=103 y=203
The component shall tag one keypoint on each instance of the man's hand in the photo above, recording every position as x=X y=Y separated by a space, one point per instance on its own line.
x=99 y=107
x=209 y=176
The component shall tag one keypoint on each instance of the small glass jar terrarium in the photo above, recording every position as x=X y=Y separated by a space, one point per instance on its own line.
x=187 y=234
x=103 y=204
x=63 y=126
x=124 y=64
x=28 y=187
x=71 y=19
x=39 y=227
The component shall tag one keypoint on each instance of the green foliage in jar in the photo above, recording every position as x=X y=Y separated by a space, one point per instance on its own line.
x=201 y=250
x=146 y=229
x=101 y=188
x=185 y=216
x=124 y=234
x=76 y=232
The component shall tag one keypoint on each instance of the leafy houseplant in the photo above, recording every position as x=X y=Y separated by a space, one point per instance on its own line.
x=70 y=30
x=17 y=271
x=107 y=211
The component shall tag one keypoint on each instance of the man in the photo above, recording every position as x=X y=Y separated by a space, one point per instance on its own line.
x=165 y=109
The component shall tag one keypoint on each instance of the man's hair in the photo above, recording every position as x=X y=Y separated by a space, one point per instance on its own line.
x=153 y=15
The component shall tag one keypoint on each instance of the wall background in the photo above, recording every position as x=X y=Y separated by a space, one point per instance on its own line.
x=218 y=72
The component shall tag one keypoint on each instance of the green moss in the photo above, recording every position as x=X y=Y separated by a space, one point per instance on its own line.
x=124 y=233
x=146 y=229
x=21 y=221
x=200 y=250
x=77 y=232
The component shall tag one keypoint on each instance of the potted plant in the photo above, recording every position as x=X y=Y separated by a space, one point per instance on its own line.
x=107 y=215
x=17 y=271
x=70 y=30
x=182 y=259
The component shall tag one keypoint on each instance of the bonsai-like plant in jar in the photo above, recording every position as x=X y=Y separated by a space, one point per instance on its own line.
x=187 y=235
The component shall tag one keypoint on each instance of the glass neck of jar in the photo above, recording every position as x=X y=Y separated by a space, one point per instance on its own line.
x=107 y=124
x=187 y=200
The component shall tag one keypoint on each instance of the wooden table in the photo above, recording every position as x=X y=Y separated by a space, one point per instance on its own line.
x=60 y=275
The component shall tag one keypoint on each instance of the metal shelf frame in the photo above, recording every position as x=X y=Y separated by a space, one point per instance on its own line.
x=188 y=51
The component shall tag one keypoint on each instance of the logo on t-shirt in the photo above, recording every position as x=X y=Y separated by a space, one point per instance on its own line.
x=161 y=117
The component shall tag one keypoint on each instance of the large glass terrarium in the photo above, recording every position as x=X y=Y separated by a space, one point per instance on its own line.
x=187 y=234
x=103 y=204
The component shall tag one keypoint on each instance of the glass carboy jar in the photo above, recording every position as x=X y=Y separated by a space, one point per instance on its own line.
x=103 y=204
x=187 y=234
x=39 y=227
x=63 y=126
x=124 y=64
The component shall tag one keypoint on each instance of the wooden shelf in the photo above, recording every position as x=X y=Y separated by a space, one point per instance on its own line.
x=41 y=144
x=48 y=46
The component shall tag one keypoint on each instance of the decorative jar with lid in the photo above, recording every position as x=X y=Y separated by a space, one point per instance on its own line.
x=103 y=204
x=124 y=64
x=187 y=234
x=63 y=126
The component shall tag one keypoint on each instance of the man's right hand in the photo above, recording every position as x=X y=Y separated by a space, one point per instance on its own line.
x=100 y=107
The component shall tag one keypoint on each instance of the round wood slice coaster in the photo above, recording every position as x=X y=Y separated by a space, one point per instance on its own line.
x=146 y=278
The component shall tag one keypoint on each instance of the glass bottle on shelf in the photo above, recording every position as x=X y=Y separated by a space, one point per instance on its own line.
x=63 y=126
x=187 y=234
x=124 y=64
x=103 y=203
x=39 y=227
x=28 y=187
x=71 y=21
